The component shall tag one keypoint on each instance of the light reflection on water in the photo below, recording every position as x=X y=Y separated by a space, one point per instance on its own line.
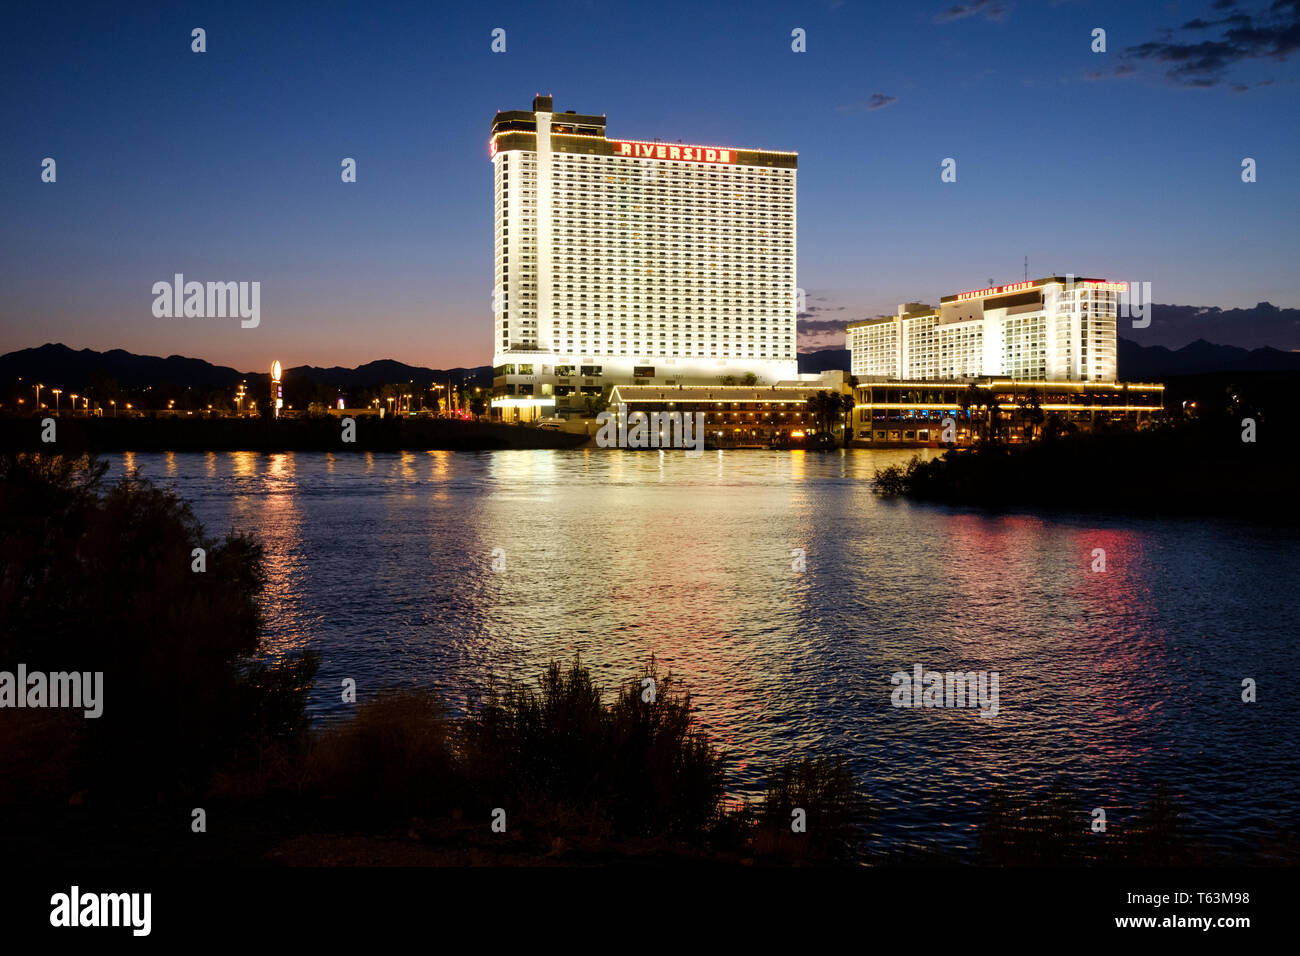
x=1113 y=680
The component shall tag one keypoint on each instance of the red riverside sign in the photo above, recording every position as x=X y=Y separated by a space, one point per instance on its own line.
x=688 y=154
x=1100 y=285
x=996 y=290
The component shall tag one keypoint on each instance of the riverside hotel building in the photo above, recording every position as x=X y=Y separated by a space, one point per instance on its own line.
x=1051 y=339
x=1055 y=329
x=629 y=262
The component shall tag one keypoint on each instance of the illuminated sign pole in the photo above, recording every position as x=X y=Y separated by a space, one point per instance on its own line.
x=276 y=387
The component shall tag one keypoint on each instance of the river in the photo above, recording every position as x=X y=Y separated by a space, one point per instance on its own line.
x=784 y=594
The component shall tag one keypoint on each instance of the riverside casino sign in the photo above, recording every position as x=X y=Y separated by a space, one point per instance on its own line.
x=1099 y=285
x=995 y=290
x=688 y=154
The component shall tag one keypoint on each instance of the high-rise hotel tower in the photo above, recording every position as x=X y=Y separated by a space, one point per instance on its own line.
x=1058 y=329
x=629 y=262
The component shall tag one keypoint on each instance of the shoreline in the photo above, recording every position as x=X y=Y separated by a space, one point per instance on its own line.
x=74 y=435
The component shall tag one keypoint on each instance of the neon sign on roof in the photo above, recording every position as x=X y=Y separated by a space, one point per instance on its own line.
x=1101 y=285
x=995 y=290
x=689 y=154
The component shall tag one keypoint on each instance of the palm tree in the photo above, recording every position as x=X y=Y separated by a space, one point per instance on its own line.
x=847 y=404
x=994 y=407
x=1031 y=411
x=824 y=409
x=598 y=403
x=1053 y=428
x=971 y=398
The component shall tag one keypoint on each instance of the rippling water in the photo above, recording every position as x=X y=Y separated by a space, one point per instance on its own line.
x=1113 y=680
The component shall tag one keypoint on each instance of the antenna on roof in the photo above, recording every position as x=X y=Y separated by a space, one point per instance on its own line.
x=1026 y=268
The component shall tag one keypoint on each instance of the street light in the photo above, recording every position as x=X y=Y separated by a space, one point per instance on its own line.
x=57 y=392
x=74 y=403
x=113 y=402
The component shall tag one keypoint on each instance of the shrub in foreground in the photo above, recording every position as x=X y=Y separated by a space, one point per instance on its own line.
x=636 y=767
x=100 y=578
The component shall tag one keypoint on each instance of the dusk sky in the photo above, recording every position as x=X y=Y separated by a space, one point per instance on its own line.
x=225 y=165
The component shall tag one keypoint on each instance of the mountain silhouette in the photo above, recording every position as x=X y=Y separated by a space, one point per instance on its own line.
x=1137 y=363
x=58 y=365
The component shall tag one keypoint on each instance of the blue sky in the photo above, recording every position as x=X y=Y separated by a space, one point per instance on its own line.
x=225 y=165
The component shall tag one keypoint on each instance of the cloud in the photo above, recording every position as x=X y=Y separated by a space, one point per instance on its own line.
x=878 y=101
x=819 y=334
x=810 y=309
x=1121 y=72
x=1203 y=63
x=988 y=9
x=824 y=325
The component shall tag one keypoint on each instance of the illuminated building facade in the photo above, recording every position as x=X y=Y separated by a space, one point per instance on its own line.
x=621 y=262
x=1058 y=329
x=739 y=415
x=913 y=412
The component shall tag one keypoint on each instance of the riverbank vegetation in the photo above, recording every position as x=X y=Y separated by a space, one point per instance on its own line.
x=1228 y=464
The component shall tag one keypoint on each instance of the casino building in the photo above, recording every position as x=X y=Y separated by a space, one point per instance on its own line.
x=1013 y=359
x=1059 y=329
x=630 y=262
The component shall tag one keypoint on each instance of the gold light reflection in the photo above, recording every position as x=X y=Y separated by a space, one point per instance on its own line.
x=441 y=464
x=243 y=464
x=271 y=512
x=798 y=464
x=440 y=468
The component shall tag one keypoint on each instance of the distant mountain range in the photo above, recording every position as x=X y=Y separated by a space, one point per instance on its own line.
x=824 y=360
x=59 y=365
x=1254 y=327
x=64 y=367
x=1137 y=363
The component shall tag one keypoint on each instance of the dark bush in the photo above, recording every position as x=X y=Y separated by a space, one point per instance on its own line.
x=635 y=766
x=96 y=578
x=835 y=811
